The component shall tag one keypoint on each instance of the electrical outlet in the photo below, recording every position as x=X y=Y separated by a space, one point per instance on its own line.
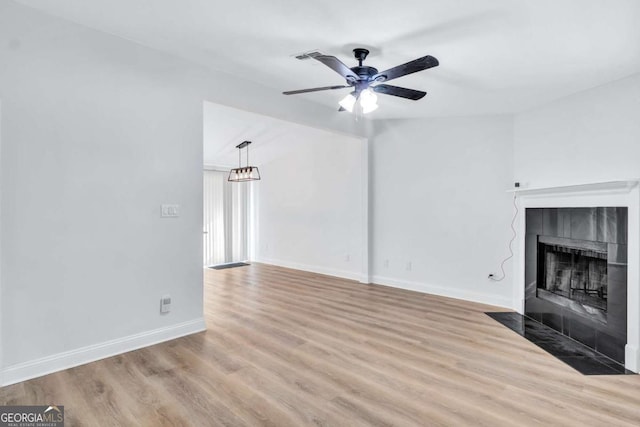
x=165 y=304
x=347 y=258
x=386 y=263
x=170 y=211
x=409 y=266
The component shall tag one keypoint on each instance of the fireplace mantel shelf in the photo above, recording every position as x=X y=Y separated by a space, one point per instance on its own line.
x=617 y=186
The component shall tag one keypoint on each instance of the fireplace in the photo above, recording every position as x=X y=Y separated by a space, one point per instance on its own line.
x=576 y=274
x=573 y=269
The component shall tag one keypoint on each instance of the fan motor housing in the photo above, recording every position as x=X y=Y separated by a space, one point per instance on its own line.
x=364 y=72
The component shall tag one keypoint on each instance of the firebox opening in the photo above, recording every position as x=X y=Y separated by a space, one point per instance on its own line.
x=579 y=274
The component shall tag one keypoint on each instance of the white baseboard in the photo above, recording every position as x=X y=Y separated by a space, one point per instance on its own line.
x=495 y=300
x=461 y=294
x=345 y=274
x=632 y=358
x=68 y=359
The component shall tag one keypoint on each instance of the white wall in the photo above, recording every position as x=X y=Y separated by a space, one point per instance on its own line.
x=311 y=207
x=439 y=202
x=97 y=132
x=96 y=136
x=592 y=136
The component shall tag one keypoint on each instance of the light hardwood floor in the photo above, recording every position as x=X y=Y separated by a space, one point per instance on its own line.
x=289 y=348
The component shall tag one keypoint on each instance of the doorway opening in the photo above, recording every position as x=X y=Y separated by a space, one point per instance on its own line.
x=225 y=218
x=309 y=210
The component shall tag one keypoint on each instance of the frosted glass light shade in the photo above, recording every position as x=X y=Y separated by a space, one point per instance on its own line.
x=368 y=101
x=348 y=102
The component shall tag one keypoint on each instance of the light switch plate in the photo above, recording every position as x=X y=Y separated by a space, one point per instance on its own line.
x=170 y=211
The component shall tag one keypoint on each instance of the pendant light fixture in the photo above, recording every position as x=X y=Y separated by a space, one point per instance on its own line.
x=244 y=173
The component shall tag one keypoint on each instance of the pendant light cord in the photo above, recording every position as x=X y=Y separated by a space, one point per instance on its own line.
x=513 y=238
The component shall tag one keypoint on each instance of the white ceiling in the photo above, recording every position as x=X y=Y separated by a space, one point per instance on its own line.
x=225 y=127
x=496 y=56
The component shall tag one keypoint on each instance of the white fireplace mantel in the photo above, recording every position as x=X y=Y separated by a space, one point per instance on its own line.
x=624 y=193
x=624 y=186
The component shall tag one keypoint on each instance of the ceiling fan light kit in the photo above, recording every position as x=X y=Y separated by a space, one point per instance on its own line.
x=348 y=102
x=244 y=173
x=368 y=101
x=367 y=81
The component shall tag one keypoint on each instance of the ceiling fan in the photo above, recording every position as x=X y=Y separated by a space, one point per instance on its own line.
x=366 y=81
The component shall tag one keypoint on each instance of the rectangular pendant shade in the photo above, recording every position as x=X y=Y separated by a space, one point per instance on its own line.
x=247 y=173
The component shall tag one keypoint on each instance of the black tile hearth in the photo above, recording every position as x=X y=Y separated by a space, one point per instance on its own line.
x=590 y=366
x=577 y=355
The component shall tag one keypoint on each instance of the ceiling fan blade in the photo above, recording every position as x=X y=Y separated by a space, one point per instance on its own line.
x=409 y=68
x=399 y=91
x=336 y=65
x=315 y=89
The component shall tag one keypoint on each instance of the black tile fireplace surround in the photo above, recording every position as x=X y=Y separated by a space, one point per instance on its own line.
x=576 y=274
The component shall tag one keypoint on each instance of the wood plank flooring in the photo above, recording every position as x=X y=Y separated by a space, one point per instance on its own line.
x=289 y=348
